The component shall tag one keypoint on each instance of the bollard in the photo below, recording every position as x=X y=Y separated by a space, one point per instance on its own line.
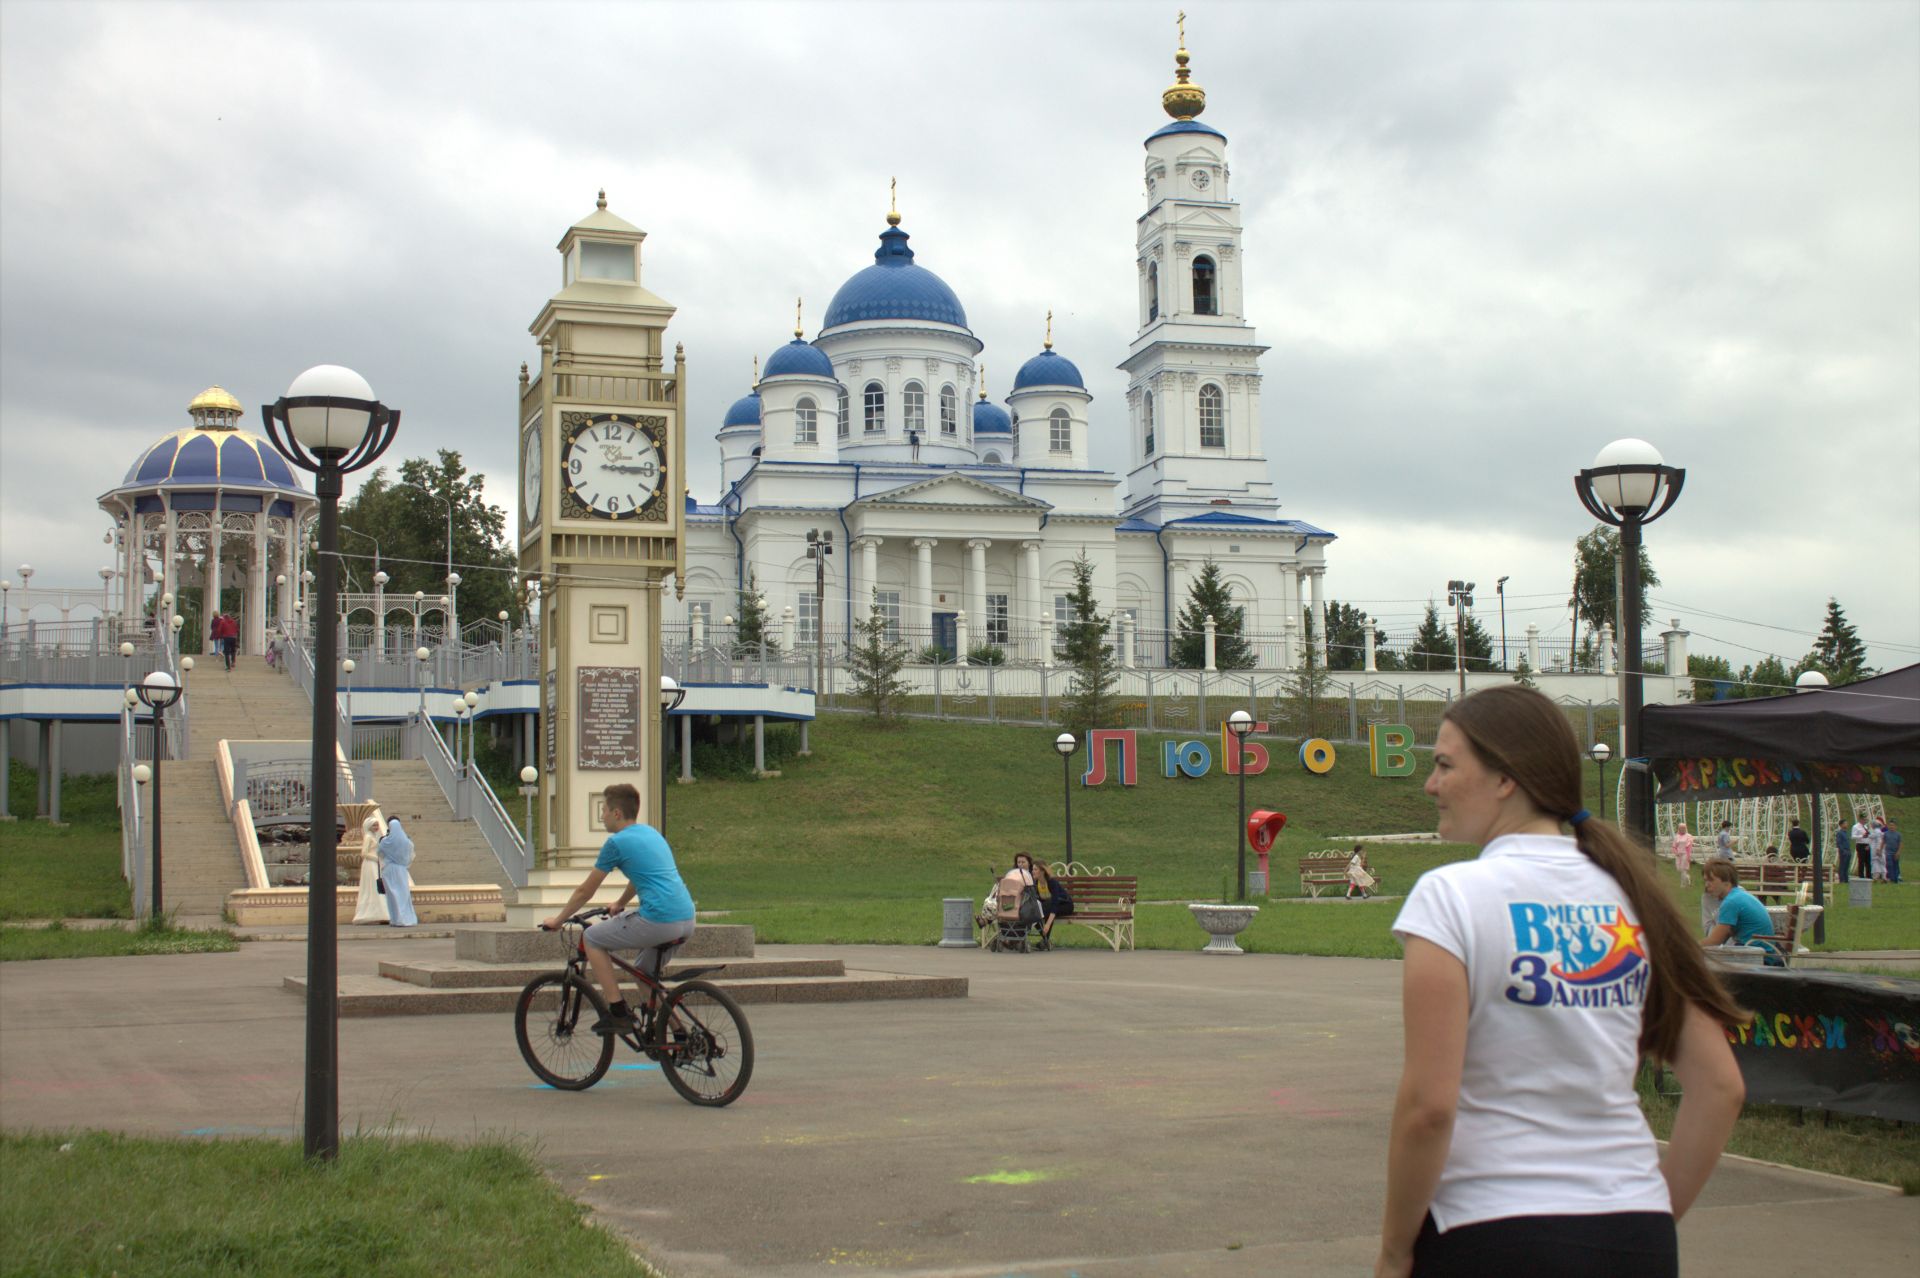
x=956 y=932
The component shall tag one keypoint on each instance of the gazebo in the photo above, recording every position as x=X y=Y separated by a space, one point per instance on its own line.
x=213 y=503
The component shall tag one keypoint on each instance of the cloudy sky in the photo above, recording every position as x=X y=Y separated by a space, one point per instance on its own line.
x=1482 y=241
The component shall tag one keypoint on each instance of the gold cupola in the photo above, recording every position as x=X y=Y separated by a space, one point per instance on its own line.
x=1183 y=98
x=215 y=409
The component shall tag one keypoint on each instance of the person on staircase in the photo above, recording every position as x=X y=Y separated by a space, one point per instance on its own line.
x=396 y=858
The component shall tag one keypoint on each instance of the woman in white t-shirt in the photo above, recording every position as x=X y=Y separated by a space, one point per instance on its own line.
x=1536 y=977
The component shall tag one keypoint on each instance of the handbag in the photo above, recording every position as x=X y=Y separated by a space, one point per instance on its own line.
x=381 y=886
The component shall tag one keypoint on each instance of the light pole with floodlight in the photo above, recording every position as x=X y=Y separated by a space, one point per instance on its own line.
x=671 y=695
x=1240 y=723
x=1500 y=588
x=1065 y=744
x=1600 y=753
x=1630 y=485
x=328 y=423
x=157 y=692
x=347 y=668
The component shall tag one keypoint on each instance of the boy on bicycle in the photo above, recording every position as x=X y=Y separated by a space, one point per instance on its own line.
x=666 y=908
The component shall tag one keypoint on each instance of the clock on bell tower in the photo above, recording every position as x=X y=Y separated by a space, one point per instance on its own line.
x=602 y=444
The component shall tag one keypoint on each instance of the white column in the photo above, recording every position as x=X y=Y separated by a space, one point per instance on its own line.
x=1371 y=667
x=1317 y=604
x=1207 y=642
x=1126 y=640
x=169 y=575
x=1676 y=641
x=869 y=578
x=1289 y=643
x=1046 y=643
x=975 y=592
x=1606 y=649
x=960 y=638
x=1533 y=647
x=289 y=568
x=1030 y=594
x=923 y=586
x=210 y=591
x=257 y=585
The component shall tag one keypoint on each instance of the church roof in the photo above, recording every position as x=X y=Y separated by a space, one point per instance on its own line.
x=798 y=358
x=990 y=419
x=1251 y=523
x=895 y=288
x=1048 y=368
x=744 y=411
x=1185 y=126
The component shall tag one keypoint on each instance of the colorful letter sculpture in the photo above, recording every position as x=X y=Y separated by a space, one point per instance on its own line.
x=1317 y=756
x=1097 y=742
x=1185 y=758
x=1389 y=749
x=1252 y=756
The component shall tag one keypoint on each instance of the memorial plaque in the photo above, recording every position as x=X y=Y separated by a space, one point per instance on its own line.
x=552 y=717
x=609 y=732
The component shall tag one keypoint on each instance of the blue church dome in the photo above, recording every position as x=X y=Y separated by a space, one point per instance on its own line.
x=990 y=419
x=893 y=288
x=1185 y=126
x=1048 y=368
x=744 y=412
x=797 y=358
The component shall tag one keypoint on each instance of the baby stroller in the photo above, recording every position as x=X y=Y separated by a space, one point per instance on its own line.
x=1016 y=913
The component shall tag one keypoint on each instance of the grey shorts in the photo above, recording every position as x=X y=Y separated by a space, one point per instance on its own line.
x=631 y=932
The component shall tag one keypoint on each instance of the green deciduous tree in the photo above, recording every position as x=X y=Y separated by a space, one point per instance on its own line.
x=1595 y=559
x=1707 y=673
x=873 y=665
x=411 y=527
x=1083 y=640
x=1837 y=653
x=1209 y=595
x=1767 y=677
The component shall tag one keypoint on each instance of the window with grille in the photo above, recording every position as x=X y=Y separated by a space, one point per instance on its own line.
x=1213 y=417
x=1204 y=301
x=1059 y=431
x=998 y=630
x=1147 y=415
x=844 y=425
x=876 y=407
x=916 y=406
x=1153 y=291
x=949 y=411
x=888 y=604
x=805 y=422
x=809 y=617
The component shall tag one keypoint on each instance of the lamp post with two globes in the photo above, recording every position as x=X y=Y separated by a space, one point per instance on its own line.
x=328 y=423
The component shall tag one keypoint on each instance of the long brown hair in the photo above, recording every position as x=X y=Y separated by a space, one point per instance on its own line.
x=1519 y=733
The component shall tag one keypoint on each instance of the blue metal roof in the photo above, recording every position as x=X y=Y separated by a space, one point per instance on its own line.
x=1185 y=126
x=1219 y=518
x=195 y=458
x=894 y=288
x=990 y=419
x=798 y=358
x=1048 y=368
x=1135 y=526
x=744 y=411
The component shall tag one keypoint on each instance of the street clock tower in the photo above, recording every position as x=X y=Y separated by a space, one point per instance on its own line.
x=601 y=432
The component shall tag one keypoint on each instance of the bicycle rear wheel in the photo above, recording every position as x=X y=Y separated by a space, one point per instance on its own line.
x=704 y=1046
x=554 y=1023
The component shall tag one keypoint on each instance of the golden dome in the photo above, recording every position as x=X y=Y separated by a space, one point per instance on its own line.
x=214 y=399
x=1183 y=100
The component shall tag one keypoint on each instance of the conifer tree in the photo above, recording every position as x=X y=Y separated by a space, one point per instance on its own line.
x=1310 y=683
x=1838 y=652
x=873 y=664
x=1211 y=596
x=1477 y=644
x=752 y=633
x=1433 y=647
x=1089 y=700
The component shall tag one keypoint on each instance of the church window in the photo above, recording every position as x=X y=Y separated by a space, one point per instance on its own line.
x=887 y=603
x=1213 y=417
x=1153 y=291
x=844 y=424
x=992 y=458
x=998 y=630
x=1059 y=431
x=1148 y=416
x=949 y=411
x=876 y=396
x=1204 y=301
x=1062 y=618
x=806 y=422
x=808 y=617
x=916 y=406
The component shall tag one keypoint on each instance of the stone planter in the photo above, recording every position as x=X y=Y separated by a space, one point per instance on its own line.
x=1223 y=923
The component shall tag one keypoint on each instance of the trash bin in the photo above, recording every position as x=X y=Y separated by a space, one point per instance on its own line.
x=956 y=924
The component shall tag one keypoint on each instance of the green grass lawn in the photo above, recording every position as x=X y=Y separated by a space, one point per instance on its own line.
x=23 y=943
x=51 y=872
x=93 y=1203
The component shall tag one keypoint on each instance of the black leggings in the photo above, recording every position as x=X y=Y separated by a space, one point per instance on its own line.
x=1640 y=1243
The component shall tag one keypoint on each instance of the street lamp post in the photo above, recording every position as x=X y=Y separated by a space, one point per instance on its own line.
x=421 y=656
x=1065 y=744
x=347 y=668
x=671 y=695
x=157 y=692
x=819 y=547
x=472 y=701
x=529 y=786
x=1629 y=485
x=1460 y=595
x=452 y=616
x=1600 y=753
x=328 y=423
x=1500 y=588
x=1240 y=723
x=1813 y=681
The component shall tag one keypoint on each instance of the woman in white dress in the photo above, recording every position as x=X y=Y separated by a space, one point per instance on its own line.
x=370 y=906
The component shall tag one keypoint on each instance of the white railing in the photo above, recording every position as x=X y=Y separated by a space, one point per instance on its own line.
x=474 y=800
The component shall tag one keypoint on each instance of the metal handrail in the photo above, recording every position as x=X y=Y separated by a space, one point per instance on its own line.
x=460 y=786
x=508 y=844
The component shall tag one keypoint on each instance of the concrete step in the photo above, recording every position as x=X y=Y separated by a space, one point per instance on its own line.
x=378 y=996
x=460 y=974
x=499 y=943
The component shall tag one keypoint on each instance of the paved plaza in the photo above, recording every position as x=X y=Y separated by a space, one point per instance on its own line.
x=1081 y=1113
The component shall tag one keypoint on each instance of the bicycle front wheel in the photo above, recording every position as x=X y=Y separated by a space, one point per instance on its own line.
x=704 y=1046
x=554 y=1023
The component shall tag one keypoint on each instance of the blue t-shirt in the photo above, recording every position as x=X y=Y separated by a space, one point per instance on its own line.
x=1742 y=911
x=644 y=857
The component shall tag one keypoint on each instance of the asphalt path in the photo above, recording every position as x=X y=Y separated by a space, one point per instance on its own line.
x=1081 y=1113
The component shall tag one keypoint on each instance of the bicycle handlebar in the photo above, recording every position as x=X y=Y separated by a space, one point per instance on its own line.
x=583 y=917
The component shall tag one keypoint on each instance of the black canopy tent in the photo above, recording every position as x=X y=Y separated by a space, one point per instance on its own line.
x=1863 y=738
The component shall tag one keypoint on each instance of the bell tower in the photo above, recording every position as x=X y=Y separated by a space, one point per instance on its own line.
x=602 y=445
x=1193 y=389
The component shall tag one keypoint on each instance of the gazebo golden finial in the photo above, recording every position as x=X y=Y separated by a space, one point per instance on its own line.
x=601 y=203
x=893 y=201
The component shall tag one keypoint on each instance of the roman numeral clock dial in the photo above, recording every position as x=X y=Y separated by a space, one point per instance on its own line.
x=613 y=466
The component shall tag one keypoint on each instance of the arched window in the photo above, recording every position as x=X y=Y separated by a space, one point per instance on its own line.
x=1213 y=417
x=844 y=425
x=949 y=411
x=1204 y=302
x=1153 y=291
x=1059 y=431
x=806 y=422
x=916 y=405
x=992 y=458
x=1147 y=415
x=876 y=408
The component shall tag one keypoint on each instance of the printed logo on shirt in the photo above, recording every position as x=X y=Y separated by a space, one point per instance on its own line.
x=1575 y=956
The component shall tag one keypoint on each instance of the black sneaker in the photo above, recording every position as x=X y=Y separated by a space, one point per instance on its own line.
x=616 y=1023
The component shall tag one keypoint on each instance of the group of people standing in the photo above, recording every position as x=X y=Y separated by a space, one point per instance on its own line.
x=386 y=879
x=1871 y=845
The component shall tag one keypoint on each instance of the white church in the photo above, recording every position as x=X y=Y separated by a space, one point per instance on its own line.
x=961 y=518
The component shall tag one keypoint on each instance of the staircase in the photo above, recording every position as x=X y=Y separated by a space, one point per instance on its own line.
x=251 y=702
x=199 y=860
x=446 y=850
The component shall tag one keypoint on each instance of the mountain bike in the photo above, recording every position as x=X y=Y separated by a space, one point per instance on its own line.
x=691 y=1027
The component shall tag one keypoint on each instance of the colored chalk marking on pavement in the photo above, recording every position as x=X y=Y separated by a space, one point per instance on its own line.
x=1009 y=1178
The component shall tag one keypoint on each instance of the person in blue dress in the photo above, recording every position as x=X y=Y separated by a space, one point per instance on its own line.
x=1741 y=919
x=396 y=856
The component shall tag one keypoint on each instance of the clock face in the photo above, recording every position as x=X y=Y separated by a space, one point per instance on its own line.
x=613 y=466
x=531 y=468
x=1200 y=179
